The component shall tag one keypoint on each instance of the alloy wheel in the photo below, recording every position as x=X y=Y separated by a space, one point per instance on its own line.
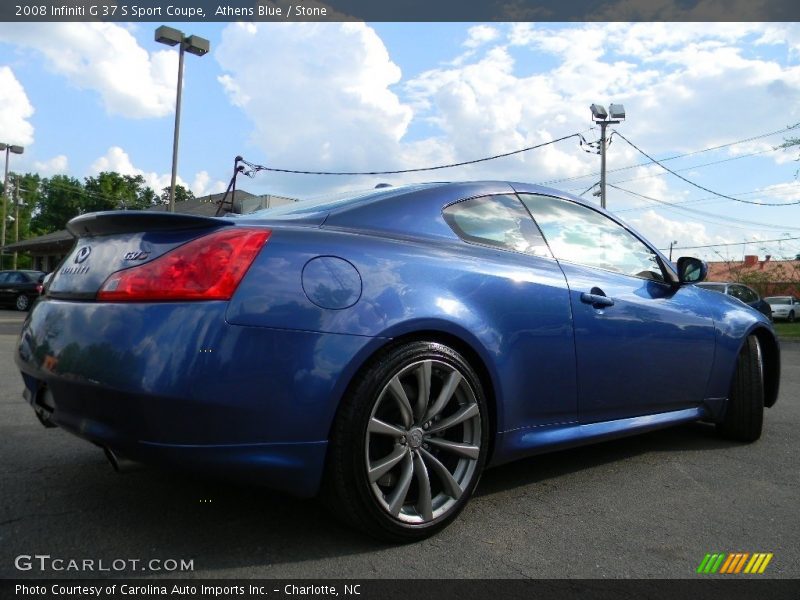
x=22 y=302
x=423 y=442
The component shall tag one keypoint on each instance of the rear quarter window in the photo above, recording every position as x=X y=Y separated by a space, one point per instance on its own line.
x=499 y=221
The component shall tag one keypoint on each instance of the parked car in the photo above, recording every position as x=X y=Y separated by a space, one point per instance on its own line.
x=382 y=349
x=738 y=290
x=784 y=307
x=20 y=288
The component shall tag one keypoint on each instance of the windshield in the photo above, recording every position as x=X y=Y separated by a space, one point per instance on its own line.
x=777 y=300
x=716 y=287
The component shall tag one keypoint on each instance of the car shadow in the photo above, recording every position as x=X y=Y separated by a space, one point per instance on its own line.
x=689 y=437
x=242 y=530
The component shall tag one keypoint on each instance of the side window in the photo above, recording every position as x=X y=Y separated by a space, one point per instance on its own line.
x=3 y=277
x=578 y=234
x=16 y=278
x=743 y=293
x=500 y=221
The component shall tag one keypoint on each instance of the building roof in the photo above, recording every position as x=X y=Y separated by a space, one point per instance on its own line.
x=752 y=266
x=49 y=242
x=205 y=206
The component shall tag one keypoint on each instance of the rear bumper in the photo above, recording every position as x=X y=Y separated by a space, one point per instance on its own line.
x=175 y=384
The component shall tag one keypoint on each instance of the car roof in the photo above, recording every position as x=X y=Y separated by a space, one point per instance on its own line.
x=407 y=211
x=407 y=198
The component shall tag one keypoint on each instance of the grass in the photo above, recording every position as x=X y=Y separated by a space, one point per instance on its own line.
x=788 y=330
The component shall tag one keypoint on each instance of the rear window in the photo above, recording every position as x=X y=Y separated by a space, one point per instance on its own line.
x=778 y=300
x=499 y=221
x=328 y=202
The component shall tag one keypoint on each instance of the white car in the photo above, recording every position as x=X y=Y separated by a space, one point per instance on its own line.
x=784 y=307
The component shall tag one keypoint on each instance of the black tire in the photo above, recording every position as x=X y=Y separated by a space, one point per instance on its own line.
x=744 y=416
x=790 y=318
x=359 y=491
x=22 y=302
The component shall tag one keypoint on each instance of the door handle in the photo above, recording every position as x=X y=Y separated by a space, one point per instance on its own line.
x=596 y=300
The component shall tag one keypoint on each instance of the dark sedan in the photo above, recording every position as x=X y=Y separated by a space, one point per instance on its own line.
x=20 y=288
x=738 y=290
x=383 y=348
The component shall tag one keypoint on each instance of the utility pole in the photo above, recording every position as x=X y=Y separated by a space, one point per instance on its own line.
x=16 y=218
x=8 y=149
x=671 y=244
x=603 y=125
x=614 y=115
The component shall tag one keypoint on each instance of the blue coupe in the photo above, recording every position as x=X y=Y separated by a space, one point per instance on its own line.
x=383 y=348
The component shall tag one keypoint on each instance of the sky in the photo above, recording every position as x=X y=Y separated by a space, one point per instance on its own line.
x=89 y=97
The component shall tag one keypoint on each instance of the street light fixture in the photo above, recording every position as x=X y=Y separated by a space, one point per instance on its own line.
x=9 y=149
x=192 y=44
x=615 y=114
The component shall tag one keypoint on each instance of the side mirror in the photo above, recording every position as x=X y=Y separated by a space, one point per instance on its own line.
x=691 y=270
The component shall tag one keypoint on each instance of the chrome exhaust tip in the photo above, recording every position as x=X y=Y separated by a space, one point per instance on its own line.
x=121 y=464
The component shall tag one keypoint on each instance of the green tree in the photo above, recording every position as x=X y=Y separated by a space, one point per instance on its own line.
x=61 y=198
x=182 y=194
x=112 y=191
x=24 y=190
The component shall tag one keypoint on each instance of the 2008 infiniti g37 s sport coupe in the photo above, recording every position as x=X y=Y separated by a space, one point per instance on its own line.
x=384 y=348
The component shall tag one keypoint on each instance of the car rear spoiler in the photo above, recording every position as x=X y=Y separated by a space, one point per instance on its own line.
x=132 y=221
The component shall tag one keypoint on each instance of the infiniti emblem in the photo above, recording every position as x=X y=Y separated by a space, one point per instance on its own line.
x=83 y=254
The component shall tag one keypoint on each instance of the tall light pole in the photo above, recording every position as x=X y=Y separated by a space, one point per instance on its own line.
x=192 y=44
x=671 y=244
x=15 y=150
x=615 y=114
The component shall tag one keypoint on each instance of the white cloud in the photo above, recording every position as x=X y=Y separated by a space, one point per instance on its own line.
x=202 y=185
x=15 y=126
x=117 y=160
x=106 y=58
x=319 y=94
x=329 y=97
x=58 y=165
x=685 y=86
x=662 y=230
x=479 y=35
x=782 y=192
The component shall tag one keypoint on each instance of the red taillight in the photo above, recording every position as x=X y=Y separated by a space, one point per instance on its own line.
x=208 y=268
x=39 y=289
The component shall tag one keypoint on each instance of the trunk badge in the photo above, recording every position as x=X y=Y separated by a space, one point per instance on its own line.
x=83 y=254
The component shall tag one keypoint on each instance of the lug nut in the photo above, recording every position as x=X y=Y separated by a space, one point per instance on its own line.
x=403 y=439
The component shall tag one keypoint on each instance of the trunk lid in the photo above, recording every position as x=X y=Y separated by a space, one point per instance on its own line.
x=108 y=242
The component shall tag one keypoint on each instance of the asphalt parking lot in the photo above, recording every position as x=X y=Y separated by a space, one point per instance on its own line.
x=648 y=506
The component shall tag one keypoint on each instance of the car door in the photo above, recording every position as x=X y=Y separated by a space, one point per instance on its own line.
x=4 y=287
x=524 y=296
x=643 y=345
x=14 y=285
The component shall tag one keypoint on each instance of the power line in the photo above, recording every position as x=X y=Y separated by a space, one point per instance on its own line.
x=708 y=199
x=255 y=168
x=700 y=166
x=786 y=239
x=677 y=156
x=697 y=185
x=720 y=220
x=689 y=168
